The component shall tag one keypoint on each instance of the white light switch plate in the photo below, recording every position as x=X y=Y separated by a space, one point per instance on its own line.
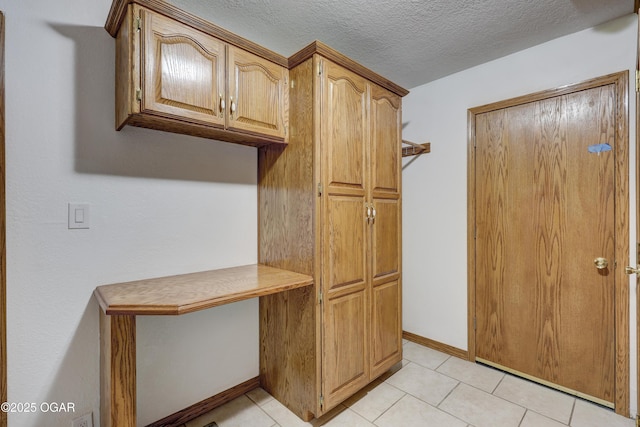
x=79 y=215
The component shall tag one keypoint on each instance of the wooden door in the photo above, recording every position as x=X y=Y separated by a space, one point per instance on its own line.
x=384 y=192
x=345 y=277
x=182 y=71
x=545 y=210
x=258 y=95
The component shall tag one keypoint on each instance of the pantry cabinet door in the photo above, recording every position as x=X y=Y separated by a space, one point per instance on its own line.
x=385 y=192
x=346 y=293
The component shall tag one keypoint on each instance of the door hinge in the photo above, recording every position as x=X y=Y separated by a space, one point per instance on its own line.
x=138 y=24
x=319 y=189
x=321 y=401
x=637 y=80
x=139 y=94
x=475 y=323
x=637 y=420
x=320 y=297
x=319 y=68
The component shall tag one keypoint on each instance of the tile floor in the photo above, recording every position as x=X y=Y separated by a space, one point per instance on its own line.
x=431 y=389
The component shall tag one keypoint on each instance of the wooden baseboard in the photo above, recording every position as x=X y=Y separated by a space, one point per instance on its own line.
x=207 y=405
x=436 y=345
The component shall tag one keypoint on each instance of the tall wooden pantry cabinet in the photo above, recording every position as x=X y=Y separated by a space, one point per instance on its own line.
x=330 y=207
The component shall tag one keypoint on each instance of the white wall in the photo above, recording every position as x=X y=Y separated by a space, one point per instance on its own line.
x=435 y=184
x=160 y=204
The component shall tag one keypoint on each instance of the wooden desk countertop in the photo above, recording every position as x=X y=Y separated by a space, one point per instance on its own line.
x=186 y=293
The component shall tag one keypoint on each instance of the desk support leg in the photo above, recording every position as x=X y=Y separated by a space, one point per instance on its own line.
x=118 y=370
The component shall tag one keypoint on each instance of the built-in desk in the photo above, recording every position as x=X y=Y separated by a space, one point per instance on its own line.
x=174 y=295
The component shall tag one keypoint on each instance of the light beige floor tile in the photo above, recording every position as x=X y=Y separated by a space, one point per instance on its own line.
x=371 y=402
x=533 y=419
x=541 y=399
x=259 y=396
x=481 y=408
x=282 y=415
x=423 y=383
x=239 y=412
x=412 y=412
x=587 y=414
x=470 y=373
x=348 y=418
x=423 y=356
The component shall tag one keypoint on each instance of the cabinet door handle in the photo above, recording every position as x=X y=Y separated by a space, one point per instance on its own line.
x=232 y=109
x=373 y=214
x=368 y=213
x=222 y=105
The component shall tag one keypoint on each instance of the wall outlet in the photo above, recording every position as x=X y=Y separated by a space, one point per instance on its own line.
x=83 y=421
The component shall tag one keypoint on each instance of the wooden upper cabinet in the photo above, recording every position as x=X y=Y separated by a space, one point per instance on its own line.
x=173 y=77
x=258 y=94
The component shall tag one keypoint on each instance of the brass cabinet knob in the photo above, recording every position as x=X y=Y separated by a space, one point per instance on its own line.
x=601 y=263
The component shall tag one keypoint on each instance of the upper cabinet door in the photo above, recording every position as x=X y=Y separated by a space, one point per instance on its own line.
x=182 y=71
x=344 y=127
x=386 y=149
x=258 y=94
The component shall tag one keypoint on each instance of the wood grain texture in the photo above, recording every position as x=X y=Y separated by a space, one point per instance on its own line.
x=258 y=94
x=3 y=246
x=187 y=293
x=118 y=370
x=176 y=124
x=181 y=75
x=179 y=418
x=436 y=345
x=117 y=12
x=622 y=357
x=127 y=71
x=385 y=193
x=554 y=219
x=322 y=49
x=325 y=172
x=183 y=71
x=287 y=224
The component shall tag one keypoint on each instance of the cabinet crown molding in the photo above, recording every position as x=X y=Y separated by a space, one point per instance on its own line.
x=119 y=8
x=319 y=48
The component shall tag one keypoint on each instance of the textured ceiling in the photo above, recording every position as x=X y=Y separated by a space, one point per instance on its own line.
x=411 y=42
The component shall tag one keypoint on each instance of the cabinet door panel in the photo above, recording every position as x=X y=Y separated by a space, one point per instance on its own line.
x=345 y=353
x=257 y=94
x=345 y=127
x=385 y=140
x=386 y=331
x=386 y=238
x=344 y=242
x=182 y=71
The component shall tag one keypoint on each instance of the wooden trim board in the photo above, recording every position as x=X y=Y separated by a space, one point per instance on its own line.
x=436 y=345
x=3 y=248
x=119 y=8
x=207 y=405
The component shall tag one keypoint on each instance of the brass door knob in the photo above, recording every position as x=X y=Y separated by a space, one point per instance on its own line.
x=601 y=263
x=631 y=270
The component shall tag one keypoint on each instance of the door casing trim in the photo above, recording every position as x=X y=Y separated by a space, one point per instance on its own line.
x=621 y=194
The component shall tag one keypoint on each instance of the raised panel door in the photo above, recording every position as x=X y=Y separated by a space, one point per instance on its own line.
x=386 y=151
x=344 y=129
x=345 y=258
x=182 y=71
x=258 y=99
x=384 y=192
